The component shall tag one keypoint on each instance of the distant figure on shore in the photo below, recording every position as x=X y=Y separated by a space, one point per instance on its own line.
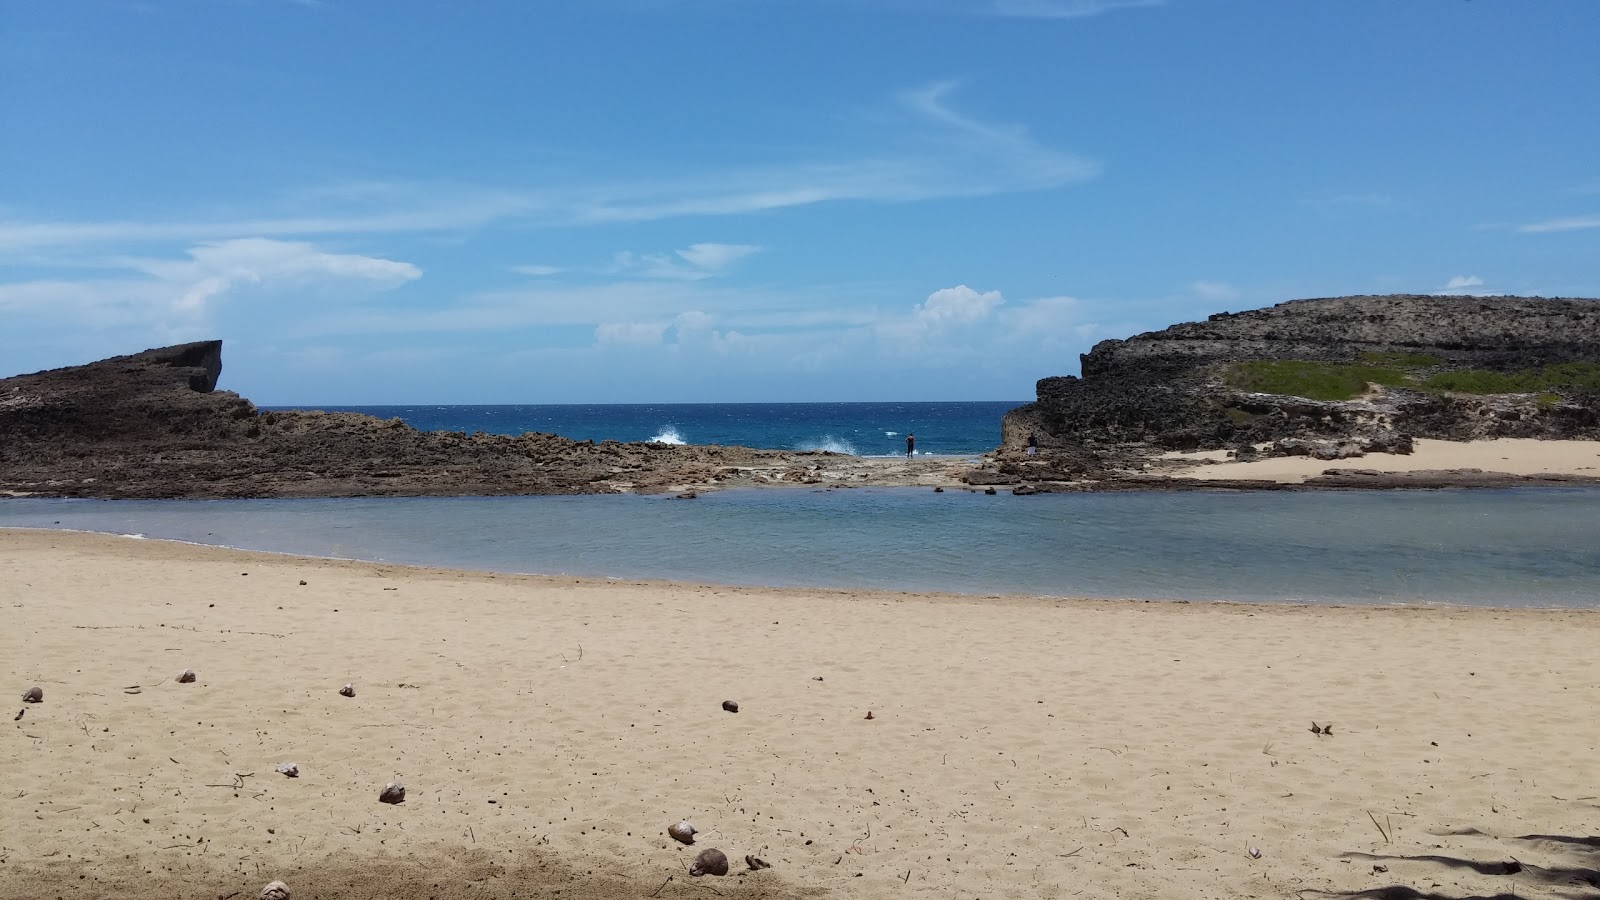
x=911 y=445
x=1033 y=443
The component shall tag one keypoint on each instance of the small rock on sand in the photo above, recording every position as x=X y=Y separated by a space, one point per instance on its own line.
x=683 y=832
x=289 y=769
x=709 y=862
x=756 y=863
x=348 y=690
x=393 y=792
x=277 y=890
x=730 y=706
x=185 y=677
x=33 y=695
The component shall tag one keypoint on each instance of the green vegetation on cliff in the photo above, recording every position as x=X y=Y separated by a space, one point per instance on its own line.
x=1346 y=381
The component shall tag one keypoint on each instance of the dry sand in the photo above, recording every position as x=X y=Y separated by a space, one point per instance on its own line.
x=549 y=730
x=1513 y=456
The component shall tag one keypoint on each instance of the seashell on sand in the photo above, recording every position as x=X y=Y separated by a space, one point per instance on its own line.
x=683 y=832
x=709 y=862
x=289 y=769
x=348 y=690
x=33 y=695
x=277 y=890
x=393 y=792
x=185 y=677
x=730 y=706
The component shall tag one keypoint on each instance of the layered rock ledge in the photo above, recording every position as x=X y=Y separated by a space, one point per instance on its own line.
x=1330 y=379
x=153 y=425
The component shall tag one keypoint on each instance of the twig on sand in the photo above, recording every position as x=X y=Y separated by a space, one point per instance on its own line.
x=1379 y=827
x=1072 y=854
x=663 y=886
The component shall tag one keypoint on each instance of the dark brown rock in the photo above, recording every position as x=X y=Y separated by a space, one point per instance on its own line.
x=1164 y=390
x=33 y=695
x=709 y=862
x=153 y=425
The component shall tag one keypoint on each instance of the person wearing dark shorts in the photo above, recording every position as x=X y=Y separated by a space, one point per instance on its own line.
x=911 y=445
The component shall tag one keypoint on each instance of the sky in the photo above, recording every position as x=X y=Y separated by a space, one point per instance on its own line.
x=654 y=201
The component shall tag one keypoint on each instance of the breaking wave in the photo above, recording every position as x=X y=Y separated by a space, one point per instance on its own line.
x=830 y=444
x=668 y=435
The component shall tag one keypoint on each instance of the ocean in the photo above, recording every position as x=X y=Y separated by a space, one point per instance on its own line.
x=859 y=429
x=1523 y=547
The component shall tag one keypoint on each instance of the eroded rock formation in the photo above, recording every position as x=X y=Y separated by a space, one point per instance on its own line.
x=1174 y=390
x=153 y=425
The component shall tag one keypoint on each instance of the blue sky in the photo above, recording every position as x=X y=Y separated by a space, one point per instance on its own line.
x=397 y=201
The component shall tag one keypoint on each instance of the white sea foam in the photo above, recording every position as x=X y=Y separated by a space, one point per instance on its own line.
x=890 y=433
x=668 y=435
x=830 y=444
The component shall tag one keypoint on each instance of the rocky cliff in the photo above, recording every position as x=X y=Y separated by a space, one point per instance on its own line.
x=154 y=425
x=1332 y=377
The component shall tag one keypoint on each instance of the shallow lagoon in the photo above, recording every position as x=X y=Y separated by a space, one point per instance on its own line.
x=1523 y=547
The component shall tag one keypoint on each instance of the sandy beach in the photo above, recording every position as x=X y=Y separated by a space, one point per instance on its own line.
x=1512 y=456
x=548 y=731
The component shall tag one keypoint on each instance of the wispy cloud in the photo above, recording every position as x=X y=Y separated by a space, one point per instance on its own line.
x=1463 y=281
x=923 y=148
x=1213 y=290
x=538 y=271
x=714 y=257
x=1568 y=223
x=1065 y=9
x=152 y=290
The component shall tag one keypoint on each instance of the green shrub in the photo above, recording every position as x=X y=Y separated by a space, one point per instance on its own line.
x=1309 y=379
x=1573 y=376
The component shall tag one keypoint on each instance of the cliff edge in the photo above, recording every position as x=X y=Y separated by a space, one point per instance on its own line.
x=1331 y=377
x=154 y=425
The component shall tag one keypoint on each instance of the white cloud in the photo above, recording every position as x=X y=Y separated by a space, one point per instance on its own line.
x=538 y=271
x=919 y=148
x=1213 y=290
x=959 y=305
x=213 y=269
x=174 y=292
x=696 y=262
x=1463 y=281
x=631 y=333
x=1570 y=223
x=717 y=256
x=1065 y=9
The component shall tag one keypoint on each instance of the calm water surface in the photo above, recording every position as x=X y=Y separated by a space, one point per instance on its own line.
x=1500 y=548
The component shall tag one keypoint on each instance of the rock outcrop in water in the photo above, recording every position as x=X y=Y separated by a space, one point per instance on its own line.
x=1327 y=377
x=153 y=425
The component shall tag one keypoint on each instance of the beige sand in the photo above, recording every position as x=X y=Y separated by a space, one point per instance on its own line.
x=549 y=731
x=1515 y=456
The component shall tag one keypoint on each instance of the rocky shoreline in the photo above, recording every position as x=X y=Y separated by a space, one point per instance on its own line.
x=153 y=425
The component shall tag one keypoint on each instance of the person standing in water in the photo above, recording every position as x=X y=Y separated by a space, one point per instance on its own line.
x=911 y=445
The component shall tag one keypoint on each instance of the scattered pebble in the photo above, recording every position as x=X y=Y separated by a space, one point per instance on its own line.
x=289 y=769
x=185 y=677
x=277 y=890
x=730 y=706
x=33 y=695
x=393 y=792
x=817 y=678
x=683 y=832
x=302 y=582
x=1255 y=852
x=870 y=715
x=348 y=690
x=709 y=862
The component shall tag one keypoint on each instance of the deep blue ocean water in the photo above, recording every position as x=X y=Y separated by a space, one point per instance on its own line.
x=1525 y=547
x=860 y=429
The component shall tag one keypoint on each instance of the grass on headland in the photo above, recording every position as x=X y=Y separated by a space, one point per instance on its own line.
x=1309 y=379
x=1346 y=381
